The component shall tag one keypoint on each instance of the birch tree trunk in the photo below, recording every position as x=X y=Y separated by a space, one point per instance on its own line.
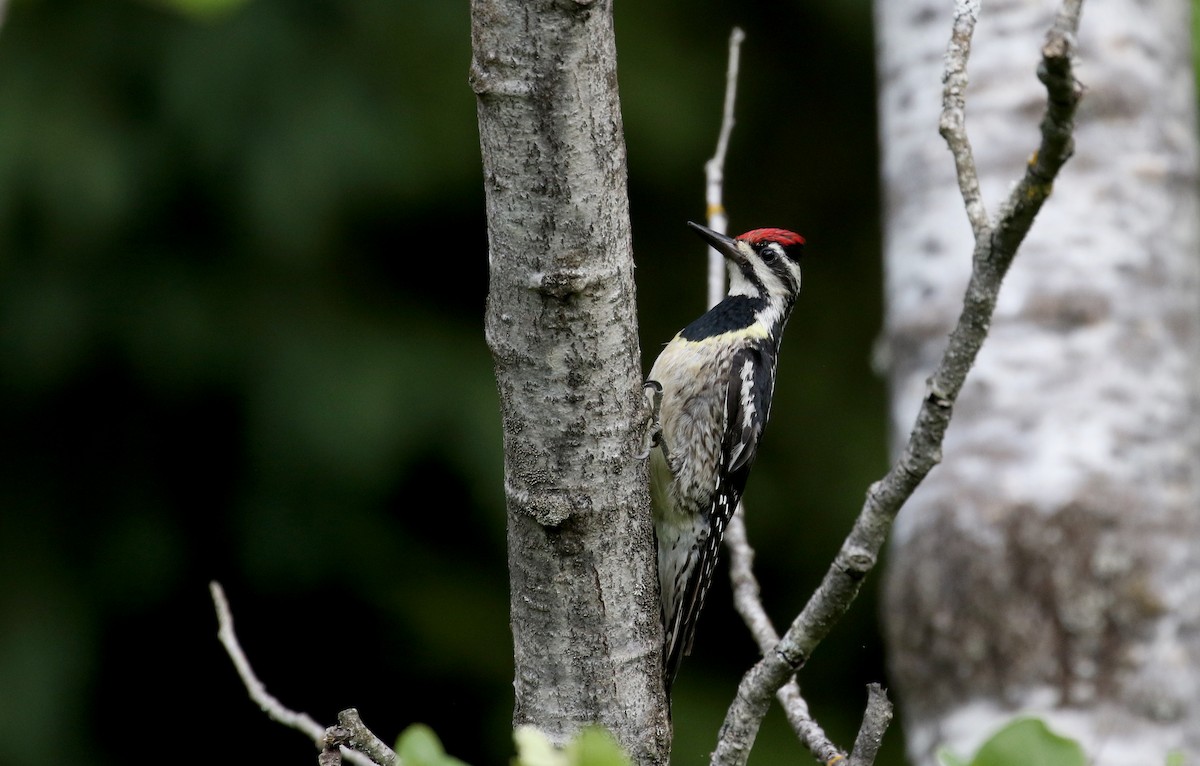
x=562 y=329
x=1051 y=564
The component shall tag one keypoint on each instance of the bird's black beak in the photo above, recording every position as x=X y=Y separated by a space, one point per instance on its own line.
x=726 y=246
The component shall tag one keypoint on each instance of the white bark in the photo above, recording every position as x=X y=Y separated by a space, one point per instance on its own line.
x=1051 y=563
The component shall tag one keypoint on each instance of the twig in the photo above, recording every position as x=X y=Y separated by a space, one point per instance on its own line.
x=351 y=731
x=714 y=171
x=749 y=605
x=1058 y=144
x=875 y=723
x=274 y=709
x=952 y=124
x=860 y=551
x=745 y=585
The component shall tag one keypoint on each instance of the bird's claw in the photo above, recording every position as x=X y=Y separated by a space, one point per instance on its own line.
x=653 y=391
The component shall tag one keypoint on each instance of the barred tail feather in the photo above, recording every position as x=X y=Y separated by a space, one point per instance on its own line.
x=695 y=578
x=680 y=625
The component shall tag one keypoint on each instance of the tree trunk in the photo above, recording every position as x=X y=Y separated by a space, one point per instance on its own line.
x=561 y=326
x=1051 y=563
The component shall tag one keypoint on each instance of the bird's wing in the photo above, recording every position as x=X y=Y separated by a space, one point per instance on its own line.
x=747 y=405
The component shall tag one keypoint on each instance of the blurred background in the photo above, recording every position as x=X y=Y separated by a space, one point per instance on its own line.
x=242 y=277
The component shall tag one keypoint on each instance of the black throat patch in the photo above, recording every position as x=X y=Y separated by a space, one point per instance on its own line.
x=736 y=312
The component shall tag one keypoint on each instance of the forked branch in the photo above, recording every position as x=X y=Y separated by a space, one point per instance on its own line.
x=995 y=247
x=745 y=585
x=350 y=739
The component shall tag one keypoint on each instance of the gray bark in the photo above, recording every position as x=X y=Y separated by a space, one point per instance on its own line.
x=1051 y=563
x=561 y=325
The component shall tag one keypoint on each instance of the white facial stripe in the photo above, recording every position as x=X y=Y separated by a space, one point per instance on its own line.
x=765 y=274
x=738 y=284
x=774 y=283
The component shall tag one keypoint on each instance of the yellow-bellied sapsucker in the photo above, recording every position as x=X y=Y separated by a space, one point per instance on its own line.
x=712 y=387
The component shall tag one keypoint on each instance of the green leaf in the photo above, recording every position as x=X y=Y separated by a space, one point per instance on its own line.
x=947 y=758
x=1176 y=758
x=419 y=746
x=1029 y=742
x=595 y=746
x=535 y=749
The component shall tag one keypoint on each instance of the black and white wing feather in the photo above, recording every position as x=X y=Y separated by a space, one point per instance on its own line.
x=747 y=406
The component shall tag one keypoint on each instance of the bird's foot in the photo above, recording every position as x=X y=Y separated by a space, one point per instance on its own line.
x=653 y=391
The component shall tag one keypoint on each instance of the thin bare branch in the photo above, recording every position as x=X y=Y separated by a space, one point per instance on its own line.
x=953 y=122
x=992 y=257
x=746 y=591
x=714 y=171
x=749 y=605
x=274 y=709
x=1058 y=126
x=875 y=722
x=745 y=584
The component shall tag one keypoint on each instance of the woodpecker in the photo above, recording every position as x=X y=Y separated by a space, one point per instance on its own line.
x=710 y=391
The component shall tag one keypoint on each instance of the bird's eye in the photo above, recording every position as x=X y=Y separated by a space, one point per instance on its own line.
x=769 y=253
